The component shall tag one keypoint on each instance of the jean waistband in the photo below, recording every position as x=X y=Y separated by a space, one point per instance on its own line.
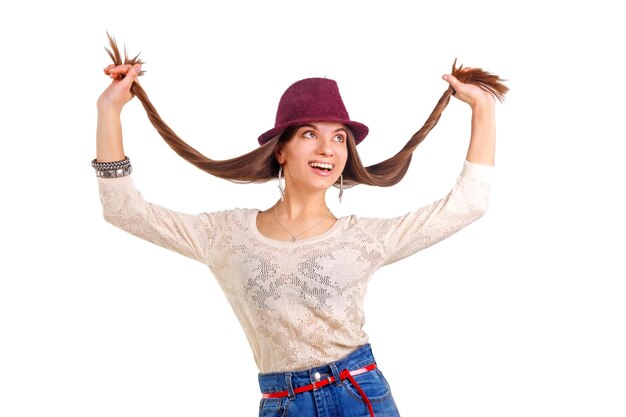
x=279 y=381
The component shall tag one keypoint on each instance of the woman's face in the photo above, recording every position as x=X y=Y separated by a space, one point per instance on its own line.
x=315 y=156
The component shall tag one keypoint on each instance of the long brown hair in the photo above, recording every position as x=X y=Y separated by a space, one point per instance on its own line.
x=261 y=165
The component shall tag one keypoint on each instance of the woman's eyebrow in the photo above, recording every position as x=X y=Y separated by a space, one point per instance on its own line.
x=309 y=126
x=316 y=128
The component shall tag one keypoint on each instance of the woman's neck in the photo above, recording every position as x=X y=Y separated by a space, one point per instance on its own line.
x=299 y=216
x=302 y=206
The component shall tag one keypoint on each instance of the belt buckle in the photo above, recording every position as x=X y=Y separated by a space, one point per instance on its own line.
x=316 y=387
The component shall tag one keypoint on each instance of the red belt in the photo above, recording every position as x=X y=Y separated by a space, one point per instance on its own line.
x=345 y=374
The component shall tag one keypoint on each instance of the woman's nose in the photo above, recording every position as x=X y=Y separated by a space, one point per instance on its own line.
x=325 y=146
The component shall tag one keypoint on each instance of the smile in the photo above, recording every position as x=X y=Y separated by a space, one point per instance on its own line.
x=321 y=168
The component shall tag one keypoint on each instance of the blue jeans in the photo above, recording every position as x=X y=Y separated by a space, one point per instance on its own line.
x=339 y=399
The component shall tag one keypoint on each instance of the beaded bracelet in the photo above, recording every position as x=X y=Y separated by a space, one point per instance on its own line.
x=112 y=169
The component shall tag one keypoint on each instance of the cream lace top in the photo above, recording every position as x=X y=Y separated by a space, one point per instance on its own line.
x=300 y=303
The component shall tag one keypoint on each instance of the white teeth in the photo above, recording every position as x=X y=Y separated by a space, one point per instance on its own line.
x=321 y=165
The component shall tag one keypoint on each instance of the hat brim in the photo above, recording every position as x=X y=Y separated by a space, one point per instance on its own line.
x=359 y=130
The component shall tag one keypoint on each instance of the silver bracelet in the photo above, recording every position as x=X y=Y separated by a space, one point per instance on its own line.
x=112 y=169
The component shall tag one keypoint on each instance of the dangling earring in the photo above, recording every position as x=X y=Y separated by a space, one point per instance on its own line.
x=280 y=184
x=340 y=187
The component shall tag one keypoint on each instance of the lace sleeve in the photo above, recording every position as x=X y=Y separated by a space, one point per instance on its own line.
x=190 y=235
x=407 y=234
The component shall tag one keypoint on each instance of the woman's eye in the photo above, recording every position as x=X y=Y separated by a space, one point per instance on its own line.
x=339 y=138
x=309 y=134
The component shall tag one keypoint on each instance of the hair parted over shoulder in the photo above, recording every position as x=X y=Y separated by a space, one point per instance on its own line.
x=261 y=165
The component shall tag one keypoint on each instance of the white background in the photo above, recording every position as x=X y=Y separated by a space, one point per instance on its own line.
x=520 y=314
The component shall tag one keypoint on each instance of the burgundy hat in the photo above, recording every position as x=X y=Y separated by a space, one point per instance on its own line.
x=313 y=100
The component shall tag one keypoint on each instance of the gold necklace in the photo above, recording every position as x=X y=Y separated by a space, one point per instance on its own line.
x=293 y=237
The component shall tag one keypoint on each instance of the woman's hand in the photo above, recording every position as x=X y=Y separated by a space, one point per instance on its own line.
x=118 y=93
x=470 y=93
x=482 y=145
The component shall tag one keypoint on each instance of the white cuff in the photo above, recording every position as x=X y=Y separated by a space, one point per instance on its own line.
x=475 y=171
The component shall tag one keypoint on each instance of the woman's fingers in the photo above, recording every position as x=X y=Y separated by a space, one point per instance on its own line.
x=451 y=79
x=114 y=71
x=468 y=93
x=131 y=75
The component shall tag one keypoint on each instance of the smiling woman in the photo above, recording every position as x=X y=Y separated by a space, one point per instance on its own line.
x=313 y=158
x=318 y=146
x=294 y=274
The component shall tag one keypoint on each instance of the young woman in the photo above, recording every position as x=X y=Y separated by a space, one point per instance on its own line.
x=294 y=273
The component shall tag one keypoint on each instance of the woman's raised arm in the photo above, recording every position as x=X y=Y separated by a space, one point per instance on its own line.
x=123 y=205
x=109 y=145
x=482 y=147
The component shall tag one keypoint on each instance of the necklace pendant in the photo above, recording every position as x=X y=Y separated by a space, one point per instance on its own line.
x=293 y=239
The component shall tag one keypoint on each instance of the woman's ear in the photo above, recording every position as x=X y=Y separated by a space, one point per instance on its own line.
x=279 y=155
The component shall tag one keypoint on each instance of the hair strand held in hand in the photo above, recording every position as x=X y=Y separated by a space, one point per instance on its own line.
x=260 y=165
